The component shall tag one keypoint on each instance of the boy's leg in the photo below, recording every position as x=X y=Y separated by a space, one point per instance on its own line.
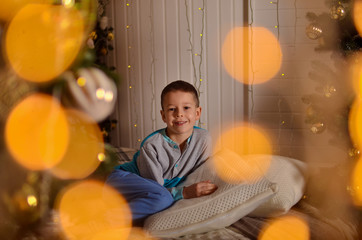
x=144 y=196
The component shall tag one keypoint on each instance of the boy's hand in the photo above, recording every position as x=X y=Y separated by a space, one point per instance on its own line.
x=199 y=189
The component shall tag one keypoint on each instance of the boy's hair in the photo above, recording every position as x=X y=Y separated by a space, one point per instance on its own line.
x=183 y=86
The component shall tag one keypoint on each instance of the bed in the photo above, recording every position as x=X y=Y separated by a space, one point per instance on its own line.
x=247 y=216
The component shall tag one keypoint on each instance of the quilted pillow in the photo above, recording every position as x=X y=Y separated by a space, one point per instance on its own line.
x=290 y=176
x=226 y=205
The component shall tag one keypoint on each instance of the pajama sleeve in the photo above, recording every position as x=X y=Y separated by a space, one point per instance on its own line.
x=149 y=166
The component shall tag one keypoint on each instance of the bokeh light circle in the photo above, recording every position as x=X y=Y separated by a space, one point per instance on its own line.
x=92 y=210
x=8 y=8
x=357 y=183
x=85 y=149
x=36 y=132
x=356 y=74
x=355 y=120
x=286 y=227
x=43 y=40
x=262 y=58
x=235 y=157
x=357 y=16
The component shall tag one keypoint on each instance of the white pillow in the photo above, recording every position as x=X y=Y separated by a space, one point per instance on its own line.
x=290 y=176
x=225 y=206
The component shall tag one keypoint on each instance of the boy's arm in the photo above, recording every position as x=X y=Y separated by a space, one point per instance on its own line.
x=149 y=166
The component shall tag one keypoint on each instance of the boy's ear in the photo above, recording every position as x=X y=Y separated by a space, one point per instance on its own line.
x=163 y=115
x=198 y=113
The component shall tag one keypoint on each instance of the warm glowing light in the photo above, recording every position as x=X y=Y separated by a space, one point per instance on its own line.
x=36 y=132
x=32 y=201
x=100 y=93
x=357 y=183
x=108 y=97
x=356 y=74
x=236 y=154
x=286 y=227
x=355 y=119
x=91 y=210
x=129 y=66
x=357 y=16
x=9 y=8
x=255 y=50
x=101 y=157
x=68 y=3
x=55 y=34
x=85 y=145
x=81 y=81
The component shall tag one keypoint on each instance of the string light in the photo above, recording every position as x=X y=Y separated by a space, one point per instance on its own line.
x=32 y=201
x=100 y=93
x=81 y=81
x=101 y=157
x=197 y=73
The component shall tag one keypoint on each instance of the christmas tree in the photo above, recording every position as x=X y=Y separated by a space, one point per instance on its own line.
x=57 y=92
x=331 y=107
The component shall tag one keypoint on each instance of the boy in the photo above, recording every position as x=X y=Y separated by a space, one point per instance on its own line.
x=150 y=182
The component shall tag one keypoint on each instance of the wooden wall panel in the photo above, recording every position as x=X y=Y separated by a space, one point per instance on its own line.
x=164 y=44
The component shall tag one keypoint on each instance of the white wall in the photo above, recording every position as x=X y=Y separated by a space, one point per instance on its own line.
x=160 y=44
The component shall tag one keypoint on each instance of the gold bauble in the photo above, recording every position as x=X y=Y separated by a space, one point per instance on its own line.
x=318 y=127
x=337 y=12
x=314 y=31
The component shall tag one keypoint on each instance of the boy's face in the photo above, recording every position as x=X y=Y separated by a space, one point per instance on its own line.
x=180 y=113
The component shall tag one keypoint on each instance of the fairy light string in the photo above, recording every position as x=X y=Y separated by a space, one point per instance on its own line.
x=152 y=75
x=291 y=138
x=130 y=66
x=251 y=86
x=197 y=71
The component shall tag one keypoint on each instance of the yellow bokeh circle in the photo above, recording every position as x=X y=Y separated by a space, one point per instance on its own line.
x=251 y=55
x=357 y=16
x=8 y=8
x=43 y=40
x=356 y=74
x=92 y=210
x=355 y=120
x=36 y=132
x=286 y=227
x=85 y=150
x=357 y=183
x=236 y=154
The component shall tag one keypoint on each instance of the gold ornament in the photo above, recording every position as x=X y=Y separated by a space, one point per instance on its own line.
x=337 y=12
x=314 y=31
x=110 y=36
x=318 y=127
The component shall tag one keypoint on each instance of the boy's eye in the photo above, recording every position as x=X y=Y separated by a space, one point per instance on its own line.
x=186 y=108
x=171 y=109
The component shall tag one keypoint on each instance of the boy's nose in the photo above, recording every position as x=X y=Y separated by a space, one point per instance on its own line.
x=179 y=113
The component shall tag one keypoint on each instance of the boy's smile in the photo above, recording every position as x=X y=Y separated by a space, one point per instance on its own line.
x=180 y=113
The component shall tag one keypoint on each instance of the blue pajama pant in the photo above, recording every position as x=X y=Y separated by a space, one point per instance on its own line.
x=144 y=196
